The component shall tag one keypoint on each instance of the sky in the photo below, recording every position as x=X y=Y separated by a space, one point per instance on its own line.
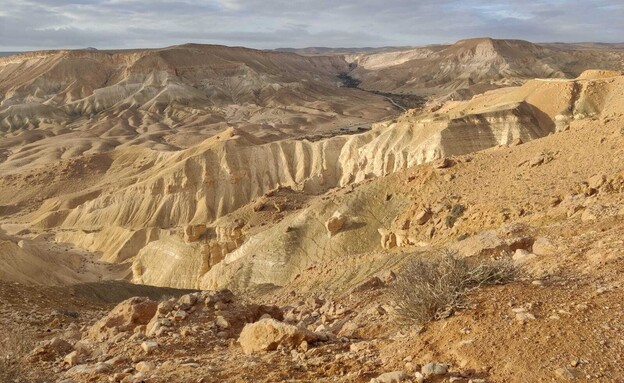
x=266 y=24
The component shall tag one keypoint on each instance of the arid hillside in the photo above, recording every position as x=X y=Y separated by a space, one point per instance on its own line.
x=158 y=225
x=473 y=66
x=62 y=104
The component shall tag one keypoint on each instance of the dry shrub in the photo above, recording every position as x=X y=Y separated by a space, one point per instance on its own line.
x=430 y=288
x=15 y=344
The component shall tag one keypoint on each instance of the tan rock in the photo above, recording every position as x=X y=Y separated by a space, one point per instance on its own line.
x=335 y=224
x=595 y=182
x=193 y=233
x=144 y=366
x=73 y=358
x=568 y=373
x=268 y=334
x=442 y=163
x=522 y=256
x=388 y=238
x=423 y=217
x=544 y=246
x=124 y=317
x=149 y=346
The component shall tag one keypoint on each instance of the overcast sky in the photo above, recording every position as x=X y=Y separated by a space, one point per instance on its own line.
x=52 y=24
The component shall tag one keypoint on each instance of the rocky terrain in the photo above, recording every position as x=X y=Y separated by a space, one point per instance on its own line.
x=293 y=256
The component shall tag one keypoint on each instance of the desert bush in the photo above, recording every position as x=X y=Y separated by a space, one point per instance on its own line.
x=15 y=344
x=427 y=288
x=456 y=212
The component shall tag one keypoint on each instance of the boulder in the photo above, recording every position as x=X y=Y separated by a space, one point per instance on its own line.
x=125 y=316
x=267 y=334
x=149 y=346
x=51 y=349
x=522 y=256
x=487 y=243
x=544 y=246
x=388 y=238
x=72 y=359
x=430 y=369
x=335 y=223
x=595 y=182
x=423 y=217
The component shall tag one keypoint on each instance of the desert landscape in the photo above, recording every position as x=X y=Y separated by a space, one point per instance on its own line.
x=205 y=213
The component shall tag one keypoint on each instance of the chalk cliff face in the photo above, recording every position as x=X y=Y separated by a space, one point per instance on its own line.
x=279 y=253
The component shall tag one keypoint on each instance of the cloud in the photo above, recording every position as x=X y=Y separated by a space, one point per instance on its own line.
x=50 y=24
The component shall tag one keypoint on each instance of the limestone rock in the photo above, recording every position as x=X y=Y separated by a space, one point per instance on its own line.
x=268 y=334
x=568 y=373
x=144 y=366
x=391 y=377
x=595 y=182
x=544 y=246
x=522 y=256
x=125 y=316
x=432 y=368
x=335 y=223
x=388 y=239
x=72 y=359
x=423 y=217
x=149 y=346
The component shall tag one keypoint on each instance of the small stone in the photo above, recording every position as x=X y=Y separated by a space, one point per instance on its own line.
x=149 y=346
x=390 y=377
x=523 y=317
x=72 y=359
x=442 y=163
x=222 y=323
x=597 y=181
x=432 y=368
x=144 y=366
x=568 y=373
x=522 y=256
x=180 y=315
x=418 y=377
x=423 y=217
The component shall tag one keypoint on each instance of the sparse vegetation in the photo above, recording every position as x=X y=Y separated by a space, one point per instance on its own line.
x=14 y=345
x=456 y=212
x=429 y=288
x=348 y=81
